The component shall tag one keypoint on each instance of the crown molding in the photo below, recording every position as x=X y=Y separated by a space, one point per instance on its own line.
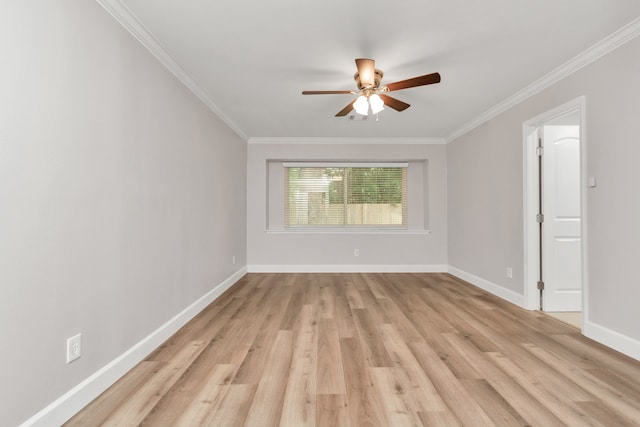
x=595 y=52
x=346 y=140
x=128 y=20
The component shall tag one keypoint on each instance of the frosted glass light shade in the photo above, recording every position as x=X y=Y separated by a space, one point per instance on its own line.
x=361 y=105
x=377 y=104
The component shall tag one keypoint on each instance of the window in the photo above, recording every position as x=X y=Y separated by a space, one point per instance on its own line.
x=346 y=195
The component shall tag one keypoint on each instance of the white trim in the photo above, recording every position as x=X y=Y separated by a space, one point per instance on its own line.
x=613 y=339
x=79 y=396
x=606 y=45
x=497 y=290
x=358 y=268
x=347 y=140
x=530 y=200
x=128 y=20
x=559 y=111
x=584 y=217
x=529 y=209
x=370 y=231
x=610 y=338
x=345 y=164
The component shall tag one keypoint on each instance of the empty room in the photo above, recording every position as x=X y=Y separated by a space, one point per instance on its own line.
x=227 y=213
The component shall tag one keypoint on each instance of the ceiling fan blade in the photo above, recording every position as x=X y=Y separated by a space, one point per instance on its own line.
x=366 y=71
x=346 y=110
x=427 y=79
x=396 y=104
x=327 y=92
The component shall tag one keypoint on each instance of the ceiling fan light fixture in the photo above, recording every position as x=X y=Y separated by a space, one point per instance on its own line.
x=373 y=96
x=377 y=104
x=361 y=105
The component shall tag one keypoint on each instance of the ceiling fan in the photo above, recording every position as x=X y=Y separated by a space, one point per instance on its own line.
x=372 y=95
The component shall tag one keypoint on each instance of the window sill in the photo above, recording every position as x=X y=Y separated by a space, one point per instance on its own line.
x=347 y=231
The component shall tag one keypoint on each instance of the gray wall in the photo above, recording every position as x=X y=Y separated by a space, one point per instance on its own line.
x=122 y=197
x=272 y=250
x=485 y=196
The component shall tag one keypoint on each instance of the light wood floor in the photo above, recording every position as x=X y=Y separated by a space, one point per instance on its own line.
x=573 y=318
x=371 y=350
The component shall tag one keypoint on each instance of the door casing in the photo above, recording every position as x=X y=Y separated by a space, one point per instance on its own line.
x=530 y=202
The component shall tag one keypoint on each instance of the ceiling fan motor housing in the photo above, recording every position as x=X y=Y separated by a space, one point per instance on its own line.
x=377 y=77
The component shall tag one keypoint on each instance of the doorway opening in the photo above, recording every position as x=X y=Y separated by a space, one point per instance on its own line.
x=554 y=207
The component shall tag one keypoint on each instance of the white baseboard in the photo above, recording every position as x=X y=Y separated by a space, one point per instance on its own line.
x=81 y=395
x=617 y=341
x=613 y=339
x=78 y=397
x=359 y=268
x=488 y=286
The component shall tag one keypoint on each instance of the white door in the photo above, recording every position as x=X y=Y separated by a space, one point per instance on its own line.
x=561 y=235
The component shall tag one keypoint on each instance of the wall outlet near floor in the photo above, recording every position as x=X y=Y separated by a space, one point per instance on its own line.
x=74 y=348
x=356 y=252
x=233 y=260
x=510 y=272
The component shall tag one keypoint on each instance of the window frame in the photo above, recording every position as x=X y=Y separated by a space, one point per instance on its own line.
x=348 y=227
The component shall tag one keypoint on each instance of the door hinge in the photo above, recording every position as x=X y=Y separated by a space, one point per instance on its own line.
x=539 y=151
x=540 y=218
x=541 y=285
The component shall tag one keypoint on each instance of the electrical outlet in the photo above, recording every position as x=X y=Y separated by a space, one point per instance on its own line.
x=356 y=252
x=74 y=348
x=509 y=272
x=233 y=260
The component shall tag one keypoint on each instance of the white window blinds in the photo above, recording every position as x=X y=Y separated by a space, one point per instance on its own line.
x=331 y=195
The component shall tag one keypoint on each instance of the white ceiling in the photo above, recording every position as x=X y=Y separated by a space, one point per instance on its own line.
x=251 y=59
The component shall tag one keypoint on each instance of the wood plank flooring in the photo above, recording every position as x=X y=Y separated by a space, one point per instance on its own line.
x=371 y=350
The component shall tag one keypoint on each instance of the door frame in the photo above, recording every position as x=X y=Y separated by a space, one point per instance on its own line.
x=530 y=206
